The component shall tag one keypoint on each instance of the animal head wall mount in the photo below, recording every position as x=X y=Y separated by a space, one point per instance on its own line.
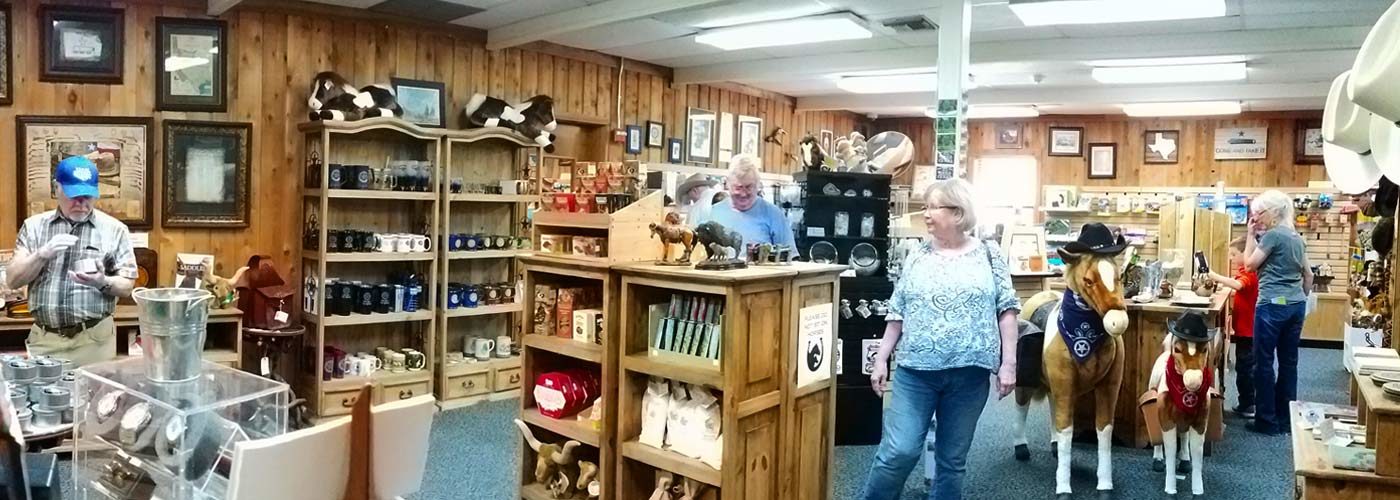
x=811 y=154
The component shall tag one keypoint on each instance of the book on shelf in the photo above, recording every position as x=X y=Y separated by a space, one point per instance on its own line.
x=687 y=325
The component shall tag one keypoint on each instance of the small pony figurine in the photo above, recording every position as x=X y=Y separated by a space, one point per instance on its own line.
x=672 y=232
x=1183 y=377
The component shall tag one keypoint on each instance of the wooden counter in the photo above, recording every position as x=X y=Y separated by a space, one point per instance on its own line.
x=1318 y=480
x=1381 y=416
x=1329 y=320
x=224 y=345
x=1142 y=343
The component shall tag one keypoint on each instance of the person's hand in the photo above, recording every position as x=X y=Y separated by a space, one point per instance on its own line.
x=879 y=376
x=94 y=280
x=56 y=245
x=1006 y=380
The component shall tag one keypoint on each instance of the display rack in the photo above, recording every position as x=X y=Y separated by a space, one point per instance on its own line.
x=223 y=344
x=776 y=437
x=373 y=142
x=476 y=158
x=543 y=353
x=627 y=230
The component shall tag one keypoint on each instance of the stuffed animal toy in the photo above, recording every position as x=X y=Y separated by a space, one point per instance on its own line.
x=225 y=293
x=538 y=123
x=844 y=154
x=856 y=162
x=334 y=98
x=812 y=156
x=386 y=103
x=486 y=111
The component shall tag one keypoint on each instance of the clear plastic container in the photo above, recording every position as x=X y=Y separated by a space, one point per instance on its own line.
x=140 y=439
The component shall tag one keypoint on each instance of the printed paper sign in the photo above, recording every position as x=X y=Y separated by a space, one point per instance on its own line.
x=1250 y=143
x=869 y=349
x=840 y=350
x=814 y=345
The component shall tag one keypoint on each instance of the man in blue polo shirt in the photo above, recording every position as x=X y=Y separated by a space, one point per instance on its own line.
x=755 y=218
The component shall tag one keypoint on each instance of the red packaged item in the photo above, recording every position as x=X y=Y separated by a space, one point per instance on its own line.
x=561 y=394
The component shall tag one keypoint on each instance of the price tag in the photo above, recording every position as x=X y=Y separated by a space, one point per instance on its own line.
x=280 y=317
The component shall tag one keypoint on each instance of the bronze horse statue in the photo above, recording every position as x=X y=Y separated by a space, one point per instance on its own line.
x=673 y=232
x=1081 y=351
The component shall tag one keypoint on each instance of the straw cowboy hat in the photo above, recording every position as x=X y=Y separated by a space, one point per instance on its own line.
x=1372 y=87
x=695 y=180
x=1346 y=149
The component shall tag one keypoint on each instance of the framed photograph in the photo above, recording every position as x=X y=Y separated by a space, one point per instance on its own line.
x=80 y=44
x=422 y=102
x=1025 y=249
x=634 y=139
x=206 y=175
x=191 y=67
x=1008 y=136
x=1307 y=146
x=1241 y=143
x=1103 y=160
x=120 y=146
x=6 y=58
x=656 y=135
x=700 y=135
x=1066 y=141
x=750 y=135
x=826 y=137
x=675 y=151
x=1160 y=146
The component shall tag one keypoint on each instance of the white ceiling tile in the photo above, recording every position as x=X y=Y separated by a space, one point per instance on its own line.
x=516 y=10
x=354 y=4
x=1312 y=20
x=876 y=43
x=665 y=49
x=1275 y=7
x=1227 y=23
x=625 y=33
x=480 y=4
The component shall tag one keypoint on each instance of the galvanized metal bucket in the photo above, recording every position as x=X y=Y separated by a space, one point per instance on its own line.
x=173 y=325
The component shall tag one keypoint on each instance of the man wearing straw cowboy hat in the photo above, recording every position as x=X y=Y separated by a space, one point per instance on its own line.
x=694 y=197
x=76 y=261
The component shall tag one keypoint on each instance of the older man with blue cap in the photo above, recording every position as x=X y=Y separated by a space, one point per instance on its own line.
x=76 y=261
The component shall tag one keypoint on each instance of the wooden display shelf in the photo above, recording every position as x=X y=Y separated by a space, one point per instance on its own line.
x=574 y=220
x=371 y=256
x=371 y=194
x=569 y=427
x=370 y=319
x=675 y=367
x=487 y=254
x=592 y=353
x=626 y=230
x=382 y=377
x=535 y=491
x=673 y=462
x=493 y=198
x=1318 y=480
x=463 y=312
x=1381 y=416
x=474 y=367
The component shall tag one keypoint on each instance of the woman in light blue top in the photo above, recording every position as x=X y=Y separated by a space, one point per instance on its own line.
x=1284 y=281
x=952 y=323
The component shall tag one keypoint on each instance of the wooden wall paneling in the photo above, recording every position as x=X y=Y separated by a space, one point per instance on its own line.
x=546 y=80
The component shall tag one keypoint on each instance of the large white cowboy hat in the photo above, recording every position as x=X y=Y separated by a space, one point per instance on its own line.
x=1377 y=68
x=1346 y=149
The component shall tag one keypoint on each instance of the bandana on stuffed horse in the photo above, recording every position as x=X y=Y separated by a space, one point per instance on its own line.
x=1186 y=401
x=1081 y=327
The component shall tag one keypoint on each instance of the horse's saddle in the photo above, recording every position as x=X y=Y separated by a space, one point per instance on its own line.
x=1030 y=345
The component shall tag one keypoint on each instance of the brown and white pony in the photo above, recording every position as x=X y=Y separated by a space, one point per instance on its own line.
x=1095 y=281
x=1183 y=408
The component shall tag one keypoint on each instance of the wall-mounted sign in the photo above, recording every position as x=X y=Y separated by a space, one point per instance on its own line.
x=1250 y=143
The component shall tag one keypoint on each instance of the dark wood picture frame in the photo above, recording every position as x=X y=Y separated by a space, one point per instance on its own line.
x=23 y=160
x=634 y=133
x=675 y=151
x=439 y=87
x=1017 y=140
x=166 y=100
x=1050 y=141
x=1300 y=146
x=706 y=138
x=1112 y=162
x=234 y=213
x=656 y=134
x=107 y=21
x=7 y=74
x=1149 y=156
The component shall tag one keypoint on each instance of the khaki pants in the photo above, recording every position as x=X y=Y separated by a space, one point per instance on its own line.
x=94 y=345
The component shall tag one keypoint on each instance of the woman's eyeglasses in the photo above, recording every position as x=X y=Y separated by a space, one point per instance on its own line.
x=937 y=207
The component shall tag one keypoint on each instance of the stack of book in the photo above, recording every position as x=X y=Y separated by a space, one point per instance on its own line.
x=689 y=325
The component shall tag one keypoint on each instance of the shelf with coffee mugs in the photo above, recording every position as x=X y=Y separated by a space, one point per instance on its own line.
x=488 y=254
x=463 y=312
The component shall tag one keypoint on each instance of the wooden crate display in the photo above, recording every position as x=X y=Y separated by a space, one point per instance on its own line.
x=626 y=231
x=777 y=438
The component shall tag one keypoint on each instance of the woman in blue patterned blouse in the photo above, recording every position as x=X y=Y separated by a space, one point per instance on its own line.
x=952 y=323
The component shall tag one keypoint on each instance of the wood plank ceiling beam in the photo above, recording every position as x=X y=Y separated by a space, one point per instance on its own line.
x=588 y=16
x=219 y=7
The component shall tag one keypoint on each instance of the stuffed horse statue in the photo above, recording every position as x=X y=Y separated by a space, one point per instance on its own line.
x=486 y=111
x=1081 y=351
x=1183 y=376
x=539 y=122
x=334 y=98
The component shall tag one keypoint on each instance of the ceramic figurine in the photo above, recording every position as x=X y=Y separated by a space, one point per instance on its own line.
x=673 y=232
x=723 y=245
x=551 y=458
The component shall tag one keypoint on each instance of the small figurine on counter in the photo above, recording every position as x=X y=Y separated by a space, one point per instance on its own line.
x=552 y=459
x=673 y=232
x=723 y=245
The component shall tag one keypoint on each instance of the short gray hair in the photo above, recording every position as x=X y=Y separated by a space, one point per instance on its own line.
x=954 y=193
x=744 y=166
x=1274 y=200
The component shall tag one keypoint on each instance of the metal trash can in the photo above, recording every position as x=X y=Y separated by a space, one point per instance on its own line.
x=174 y=322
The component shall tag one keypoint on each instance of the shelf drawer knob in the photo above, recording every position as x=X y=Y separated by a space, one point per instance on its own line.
x=348 y=402
x=514 y=378
x=405 y=394
x=469 y=384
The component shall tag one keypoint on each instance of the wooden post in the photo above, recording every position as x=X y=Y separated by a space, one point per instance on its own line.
x=361 y=483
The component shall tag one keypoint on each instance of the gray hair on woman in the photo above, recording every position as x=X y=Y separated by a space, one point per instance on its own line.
x=1275 y=201
x=955 y=194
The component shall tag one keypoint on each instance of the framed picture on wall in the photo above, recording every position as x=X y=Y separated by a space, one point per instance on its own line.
x=1008 y=136
x=725 y=131
x=750 y=135
x=826 y=137
x=700 y=135
x=674 y=150
x=207 y=179
x=1066 y=141
x=1307 y=146
x=1241 y=143
x=191 y=67
x=1103 y=160
x=422 y=101
x=80 y=44
x=1160 y=146
x=6 y=59
x=119 y=146
x=656 y=134
x=634 y=139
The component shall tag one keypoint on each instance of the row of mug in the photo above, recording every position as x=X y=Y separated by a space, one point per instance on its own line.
x=481 y=349
x=354 y=240
x=483 y=294
x=341 y=364
x=459 y=242
x=346 y=297
x=403 y=175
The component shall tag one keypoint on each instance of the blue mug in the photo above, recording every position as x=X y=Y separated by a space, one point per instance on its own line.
x=457 y=242
x=470 y=296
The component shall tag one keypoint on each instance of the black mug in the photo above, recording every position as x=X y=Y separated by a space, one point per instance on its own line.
x=343 y=298
x=364 y=178
x=364 y=299
x=338 y=176
x=385 y=302
x=333 y=240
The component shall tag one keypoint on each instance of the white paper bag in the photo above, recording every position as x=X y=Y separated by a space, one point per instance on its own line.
x=655 y=409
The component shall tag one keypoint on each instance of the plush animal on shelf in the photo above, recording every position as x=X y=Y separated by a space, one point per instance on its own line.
x=538 y=123
x=1079 y=341
x=723 y=245
x=334 y=98
x=587 y=484
x=486 y=111
x=385 y=102
x=812 y=156
x=551 y=459
x=1184 y=377
x=673 y=232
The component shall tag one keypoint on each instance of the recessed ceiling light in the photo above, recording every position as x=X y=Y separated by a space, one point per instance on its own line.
x=1052 y=12
x=889 y=84
x=1202 y=108
x=1171 y=74
x=1168 y=61
x=788 y=32
x=763 y=14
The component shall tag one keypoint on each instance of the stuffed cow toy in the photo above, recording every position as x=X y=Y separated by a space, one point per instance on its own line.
x=539 y=122
x=334 y=98
x=486 y=111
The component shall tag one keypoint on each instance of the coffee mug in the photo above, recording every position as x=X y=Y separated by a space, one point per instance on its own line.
x=396 y=362
x=482 y=348
x=364 y=177
x=457 y=242
x=387 y=243
x=503 y=346
x=338 y=176
x=414 y=360
x=422 y=243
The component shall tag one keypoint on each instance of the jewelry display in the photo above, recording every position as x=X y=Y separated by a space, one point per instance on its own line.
x=846 y=309
x=135 y=431
x=842 y=224
x=850 y=193
x=831 y=190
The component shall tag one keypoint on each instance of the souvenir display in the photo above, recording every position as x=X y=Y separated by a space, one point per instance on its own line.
x=672 y=232
x=822 y=252
x=402 y=293
x=767 y=254
x=722 y=245
x=690 y=325
x=841 y=224
x=357 y=241
x=562 y=394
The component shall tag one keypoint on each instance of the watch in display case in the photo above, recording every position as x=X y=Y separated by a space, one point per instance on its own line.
x=135 y=429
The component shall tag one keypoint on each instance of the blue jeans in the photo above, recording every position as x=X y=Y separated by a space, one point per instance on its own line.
x=1277 y=329
x=955 y=397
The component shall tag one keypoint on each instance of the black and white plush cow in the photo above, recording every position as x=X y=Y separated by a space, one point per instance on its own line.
x=539 y=122
x=486 y=111
x=386 y=103
x=334 y=98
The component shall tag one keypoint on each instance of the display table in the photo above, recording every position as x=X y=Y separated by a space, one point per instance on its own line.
x=223 y=345
x=1381 y=416
x=1318 y=480
x=1142 y=343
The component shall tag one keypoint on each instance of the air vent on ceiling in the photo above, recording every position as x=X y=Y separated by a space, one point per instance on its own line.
x=910 y=24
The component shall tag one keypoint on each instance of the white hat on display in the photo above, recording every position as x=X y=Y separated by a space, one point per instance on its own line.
x=1385 y=145
x=1346 y=150
x=1377 y=68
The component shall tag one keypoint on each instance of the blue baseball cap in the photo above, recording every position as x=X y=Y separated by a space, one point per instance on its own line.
x=78 y=177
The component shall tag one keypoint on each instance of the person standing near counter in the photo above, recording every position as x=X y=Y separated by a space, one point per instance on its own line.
x=76 y=262
x=1275 y=250
x=756 y=219
x=1245 y=285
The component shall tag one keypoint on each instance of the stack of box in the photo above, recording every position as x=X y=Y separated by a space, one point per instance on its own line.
x=571 y=313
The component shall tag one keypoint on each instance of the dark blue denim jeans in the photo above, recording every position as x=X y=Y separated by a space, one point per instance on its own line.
x=955 y=397
x=1277 y=331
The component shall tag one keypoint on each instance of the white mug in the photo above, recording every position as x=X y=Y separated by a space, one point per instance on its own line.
x=503 y=346
x=368 y=365
x=422 y=243
x=386 y=243
x=482 y=348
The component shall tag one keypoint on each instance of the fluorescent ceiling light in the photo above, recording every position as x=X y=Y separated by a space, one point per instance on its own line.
x=1004 y=79
x=789 y=32
x=1171 y=74
x=1202 y=108
x=1052 y=12
x=889 y=84
x=982 y=112
x=1168 y=61
x=766 y=13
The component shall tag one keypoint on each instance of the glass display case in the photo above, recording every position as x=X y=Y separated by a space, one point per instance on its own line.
x=136 y=438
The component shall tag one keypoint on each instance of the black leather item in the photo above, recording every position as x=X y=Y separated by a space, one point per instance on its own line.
x=71 y=330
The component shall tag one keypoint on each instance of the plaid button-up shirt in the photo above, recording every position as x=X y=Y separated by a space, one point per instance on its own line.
x=54 y=299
